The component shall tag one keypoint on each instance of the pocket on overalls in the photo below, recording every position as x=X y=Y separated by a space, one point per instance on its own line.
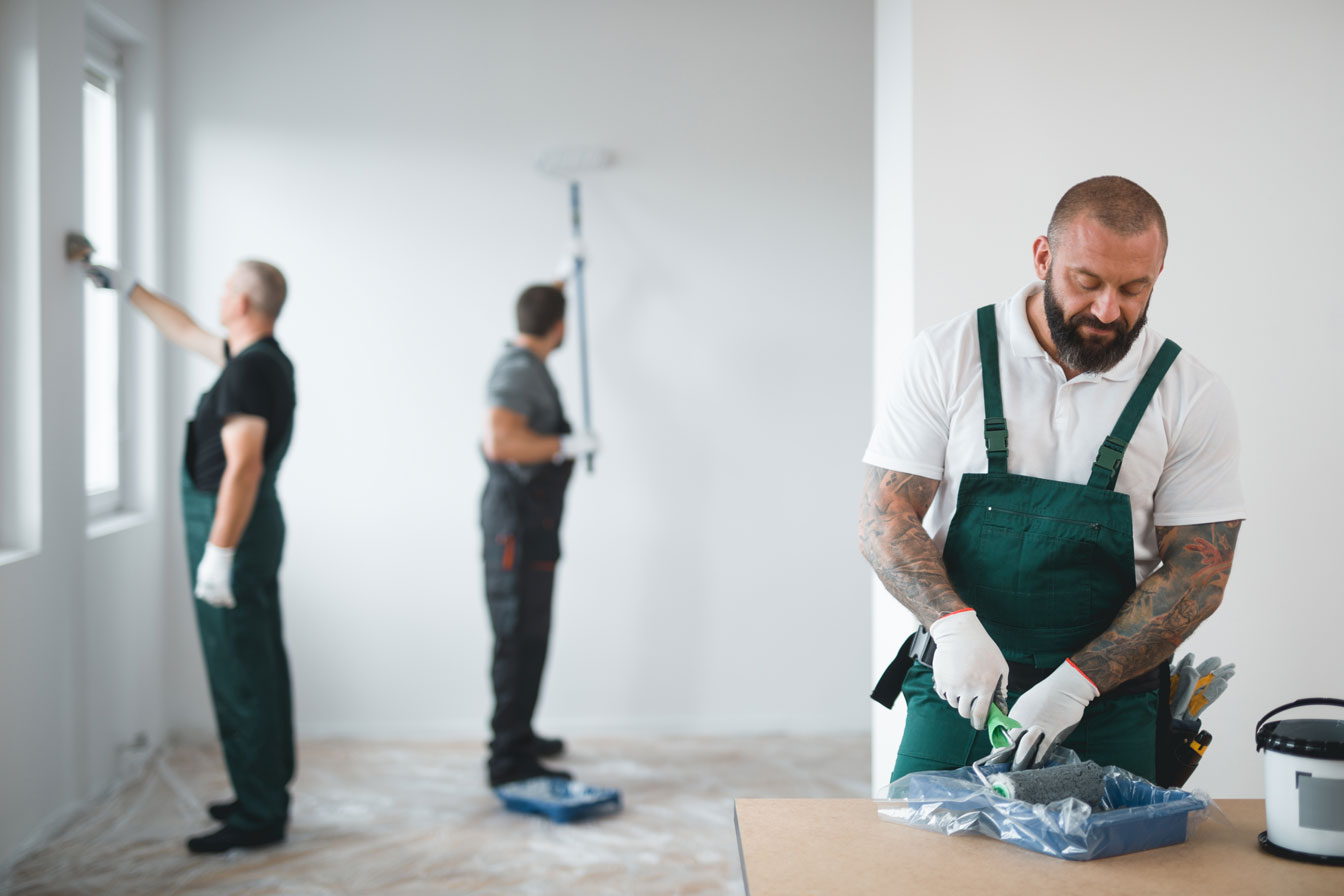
x=541 y=518
x=502 y=592
x=541 y=546
x=935 y=736
x=502 y=554
x=1051 y=560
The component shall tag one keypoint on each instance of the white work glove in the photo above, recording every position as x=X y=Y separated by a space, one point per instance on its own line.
x=104 y=277
x=214 y=577
x=1049 y=712
x=577 y=249
x=564 y=270
x=969 y=670
x=576 y=444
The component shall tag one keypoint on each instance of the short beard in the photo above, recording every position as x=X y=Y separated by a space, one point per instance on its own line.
x=1076 y=351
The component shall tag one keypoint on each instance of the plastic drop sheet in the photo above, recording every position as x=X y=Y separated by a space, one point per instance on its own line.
x=1134 y=814
x=416 y=818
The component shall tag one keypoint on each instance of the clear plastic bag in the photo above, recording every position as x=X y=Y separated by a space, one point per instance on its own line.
x=1134 y=815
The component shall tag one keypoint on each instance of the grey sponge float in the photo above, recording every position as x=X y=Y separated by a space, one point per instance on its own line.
x=1086 y=781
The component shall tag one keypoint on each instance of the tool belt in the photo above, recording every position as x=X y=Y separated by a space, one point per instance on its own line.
x=920 y=648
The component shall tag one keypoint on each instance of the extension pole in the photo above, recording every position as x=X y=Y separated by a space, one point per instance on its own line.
x=579 y=303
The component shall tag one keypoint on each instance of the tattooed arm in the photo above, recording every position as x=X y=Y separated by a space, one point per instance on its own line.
x=1168 y=605
x=892 y=538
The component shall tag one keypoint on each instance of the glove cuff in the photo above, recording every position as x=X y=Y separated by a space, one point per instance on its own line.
x=215 y=553
x=954 y=623
x=1077 y=682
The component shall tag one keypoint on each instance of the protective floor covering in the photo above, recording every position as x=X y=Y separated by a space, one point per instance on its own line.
x=416 y=818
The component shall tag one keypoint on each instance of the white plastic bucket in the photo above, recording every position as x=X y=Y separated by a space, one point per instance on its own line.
x=1304 y=783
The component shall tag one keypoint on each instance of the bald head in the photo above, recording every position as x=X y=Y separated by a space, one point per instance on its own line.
x=1121 y=206
x=264 y=286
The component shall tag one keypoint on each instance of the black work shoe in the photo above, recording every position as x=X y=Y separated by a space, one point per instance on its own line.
x=545 y=747
x=507 y=771
x=222 y=811
x=229 y=837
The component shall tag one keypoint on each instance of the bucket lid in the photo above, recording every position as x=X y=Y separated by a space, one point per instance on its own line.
x=1317 y=738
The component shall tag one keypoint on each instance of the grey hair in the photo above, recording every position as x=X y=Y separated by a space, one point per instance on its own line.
x=268 y=295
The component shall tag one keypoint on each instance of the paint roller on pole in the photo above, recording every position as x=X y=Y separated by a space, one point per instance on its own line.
x=570 y=164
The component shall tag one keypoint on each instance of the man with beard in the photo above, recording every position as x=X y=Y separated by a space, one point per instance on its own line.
x=1052 y=490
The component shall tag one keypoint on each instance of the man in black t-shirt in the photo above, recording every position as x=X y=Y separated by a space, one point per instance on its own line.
x=235 y=536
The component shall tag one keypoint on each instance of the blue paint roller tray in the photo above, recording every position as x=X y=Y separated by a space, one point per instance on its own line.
x=559 y=800
x=1136 y=814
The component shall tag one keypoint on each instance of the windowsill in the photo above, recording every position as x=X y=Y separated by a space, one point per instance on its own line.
x=10 y=556
x=118 y=521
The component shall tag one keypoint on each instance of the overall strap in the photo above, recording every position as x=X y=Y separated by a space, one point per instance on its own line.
x=888 y=687
x=1106 y=468
x=996 y=427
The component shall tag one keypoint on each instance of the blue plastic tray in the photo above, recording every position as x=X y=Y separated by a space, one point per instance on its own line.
x=1144 y=816
x=559 y=800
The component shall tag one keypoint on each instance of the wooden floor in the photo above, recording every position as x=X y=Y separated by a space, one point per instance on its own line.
x=417 y=818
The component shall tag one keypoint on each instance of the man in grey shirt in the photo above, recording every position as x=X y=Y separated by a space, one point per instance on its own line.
x=529 y=450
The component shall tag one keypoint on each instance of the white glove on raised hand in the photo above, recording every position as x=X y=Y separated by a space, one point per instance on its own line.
x=969 y=670
x=564 y=270
x=1049 y=711
x=214 y=577
x=577 y=444
x=104 y=277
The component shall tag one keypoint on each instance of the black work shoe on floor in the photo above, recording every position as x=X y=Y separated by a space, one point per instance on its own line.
x=229 y=837
x=507 y=771
x=222 y=811
x=545 y=747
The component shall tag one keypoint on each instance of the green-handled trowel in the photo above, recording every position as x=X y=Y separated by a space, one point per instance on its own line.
x=998 y=725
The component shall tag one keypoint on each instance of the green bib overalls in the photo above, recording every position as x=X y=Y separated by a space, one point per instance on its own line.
x=1046 y=565
x=245 y=658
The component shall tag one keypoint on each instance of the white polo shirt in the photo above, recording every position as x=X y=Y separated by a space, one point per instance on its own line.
x=1180 y=467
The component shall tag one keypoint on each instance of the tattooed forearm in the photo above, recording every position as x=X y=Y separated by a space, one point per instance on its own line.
x=1168 y=605
x=892 y=538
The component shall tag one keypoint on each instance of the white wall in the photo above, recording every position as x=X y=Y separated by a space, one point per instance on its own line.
x=80 y=606
x=1229 y=113
x=893 y=307
x=382 y=154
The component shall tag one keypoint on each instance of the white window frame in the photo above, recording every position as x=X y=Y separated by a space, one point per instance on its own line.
x=103 y=61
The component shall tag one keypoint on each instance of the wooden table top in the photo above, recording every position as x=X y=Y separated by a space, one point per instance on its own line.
x=841 y=846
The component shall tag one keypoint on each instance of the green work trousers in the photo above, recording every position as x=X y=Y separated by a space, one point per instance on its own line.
x=245 y=658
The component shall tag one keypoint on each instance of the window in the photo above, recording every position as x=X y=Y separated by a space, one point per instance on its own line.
x=102 y=331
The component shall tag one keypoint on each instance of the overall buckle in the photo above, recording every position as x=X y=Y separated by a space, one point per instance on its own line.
x=923 y=647
x=996 y=435
x=1109 y=457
